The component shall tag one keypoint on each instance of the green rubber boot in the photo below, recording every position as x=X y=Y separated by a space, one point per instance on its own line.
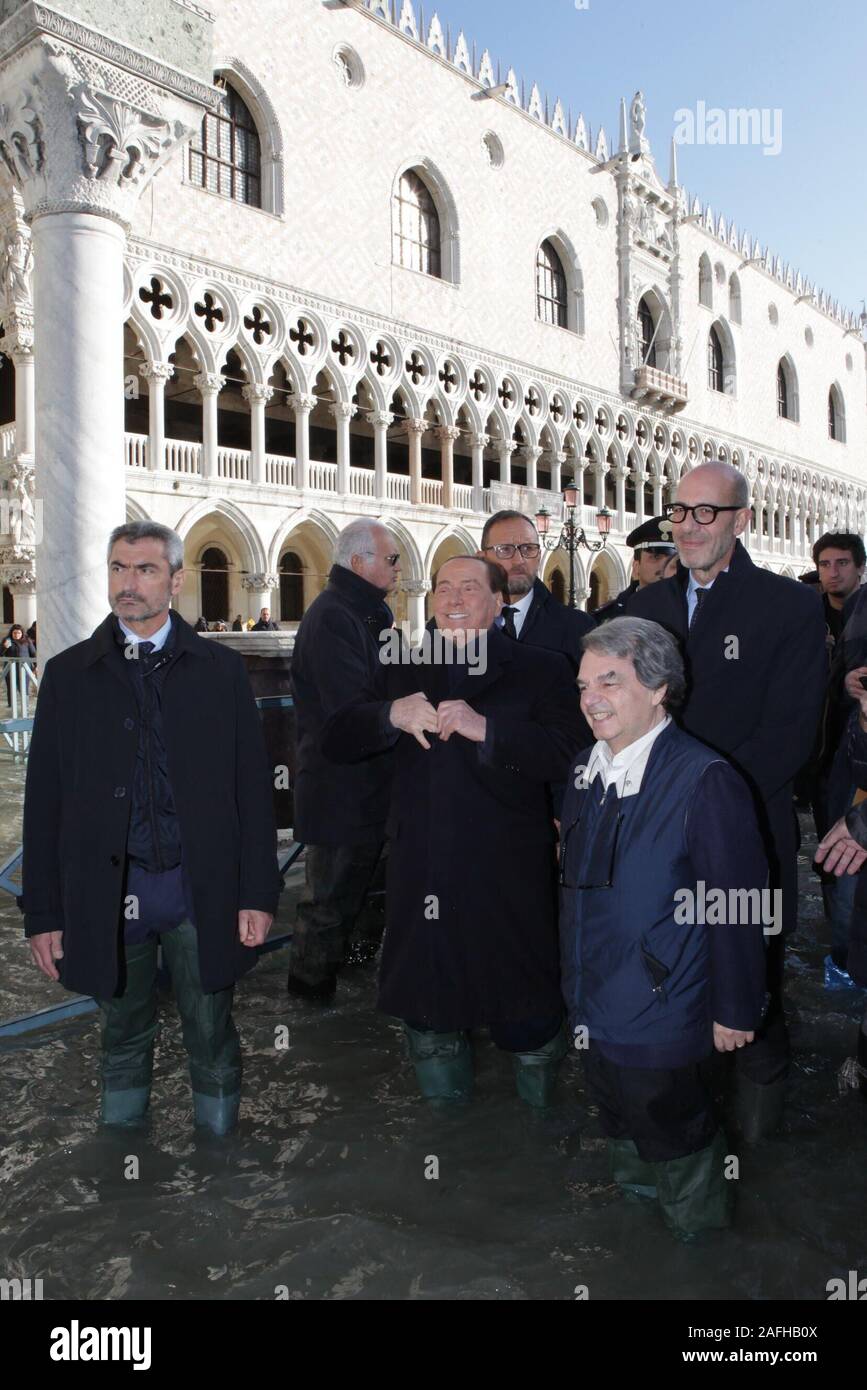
x=536 y=1072
x=127 y=1108
x=443 y=1064
x=219 y=1114
x=694 y=1193
x=636 y=1178
x=758 y=1110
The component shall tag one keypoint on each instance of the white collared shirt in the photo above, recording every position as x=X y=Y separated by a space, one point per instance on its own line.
x=158 y=638
x=626 y=768
x=522 y=608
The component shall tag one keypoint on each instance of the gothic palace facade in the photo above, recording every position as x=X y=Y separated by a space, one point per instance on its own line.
x=366 y=286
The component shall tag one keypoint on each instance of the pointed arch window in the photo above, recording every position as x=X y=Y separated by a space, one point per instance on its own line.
x=836 y=416
x=715 y=378
x=782 y=393
x=417 y=235
x=735 y=299
x=226 y=156
x=705 y=282
x=646 y=333
x=551 y=294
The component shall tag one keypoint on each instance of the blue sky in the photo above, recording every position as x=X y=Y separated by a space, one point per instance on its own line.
x=804 y=59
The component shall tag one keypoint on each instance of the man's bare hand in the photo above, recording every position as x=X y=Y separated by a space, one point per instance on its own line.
x=838 y=853
x=253 y=926
x=415 y=715
x=852 y=684
x=727 y=1039
x=456 y=717
x=45 y=948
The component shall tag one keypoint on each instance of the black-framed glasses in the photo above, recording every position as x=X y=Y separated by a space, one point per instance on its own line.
x=530 y=550
x=705 y=513
x=391 y=559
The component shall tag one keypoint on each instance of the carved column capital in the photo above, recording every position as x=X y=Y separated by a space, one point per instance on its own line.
x=209 y=383
x=448 y=432
x=380 y=419
x=480 y=441
x=415 y=425
x=156 y=371
x=260 y=583
x=257 y=394
x=343 y=410
x=303 y=403
x=416 y=588
x=506 y=446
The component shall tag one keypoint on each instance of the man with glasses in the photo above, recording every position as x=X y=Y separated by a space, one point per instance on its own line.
x=532 y=614
x=655 y=825
x=340 y=810
x=754 y=644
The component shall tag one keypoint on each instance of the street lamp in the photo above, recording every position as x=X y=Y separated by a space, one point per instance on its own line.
x=571 y=535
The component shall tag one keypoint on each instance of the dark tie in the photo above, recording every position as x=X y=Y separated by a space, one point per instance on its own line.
x=509 y=622
x=700 y=596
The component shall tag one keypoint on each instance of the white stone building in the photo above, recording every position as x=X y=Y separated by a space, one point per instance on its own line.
x=379 y=278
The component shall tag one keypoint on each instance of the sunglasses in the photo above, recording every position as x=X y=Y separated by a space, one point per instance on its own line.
x=390 y=559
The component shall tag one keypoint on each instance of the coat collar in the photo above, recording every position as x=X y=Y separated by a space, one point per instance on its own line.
x=363 y=596
x=102 y=642
x=541 y=598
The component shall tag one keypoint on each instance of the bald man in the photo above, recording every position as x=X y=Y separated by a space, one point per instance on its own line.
x=754 y=647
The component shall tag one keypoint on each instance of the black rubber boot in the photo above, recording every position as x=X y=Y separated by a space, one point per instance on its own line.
x=536 y=1072
x=443 y=1064
x=636 y=1178
x=758 y=1110
x=694 y=1193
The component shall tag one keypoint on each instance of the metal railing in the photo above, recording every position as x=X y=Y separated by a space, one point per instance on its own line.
x=19 y=678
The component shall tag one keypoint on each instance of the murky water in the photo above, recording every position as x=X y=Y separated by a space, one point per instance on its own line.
x=323 y=1193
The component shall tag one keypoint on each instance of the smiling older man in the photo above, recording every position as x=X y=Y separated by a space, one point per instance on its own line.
x=654 y=827
x=471 y=934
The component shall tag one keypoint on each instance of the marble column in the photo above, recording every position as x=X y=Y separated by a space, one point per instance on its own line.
x=480 y=443
x=532 y=453
x=416 y=591
x=343 y=412
x=447 y=434
x=416 y=428
x=303 y=406
x=380 y=420
x=25 y=399
x=657 y=496
x=600 y=472
x=156 y=374
x=558 y=458
x=209 y=385
x=259 y=589
x=257 y=397
x=506 y=448
x=23 y=590
x=620 y=502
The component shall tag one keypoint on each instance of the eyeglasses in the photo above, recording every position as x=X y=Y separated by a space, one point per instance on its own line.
x=705 y=513
x=390 y=559
x=530 y=550
x=599 y=870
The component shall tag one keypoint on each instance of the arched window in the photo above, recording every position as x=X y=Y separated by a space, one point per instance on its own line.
x=558 y=586
x=215 y=585
x=714 y=361
x=551 y=298
x=225 y=157
x=735 y=299
x=787 y=390
x=705 y=282
x=291 y=588
x=417 y=240
x=836 y=415
x=646 y=344
x=782 y=394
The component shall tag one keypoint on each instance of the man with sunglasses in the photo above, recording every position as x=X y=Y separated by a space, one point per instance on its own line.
x=340 y=810
x=532 y=614
x=754 y=646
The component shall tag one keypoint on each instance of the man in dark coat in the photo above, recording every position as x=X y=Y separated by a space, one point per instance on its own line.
x=754 y=646
x=661 y=914
x=266 y=622
x=148 y=819
x=339 y=811
x=471 y=935
x=652 y=548
x=532 y=615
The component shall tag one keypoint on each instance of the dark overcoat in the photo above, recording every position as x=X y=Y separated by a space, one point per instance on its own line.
x=80 y=775
x=471 y=934
x=550 y=624
x=337 y=659
x=855 y=748
x=756 y=669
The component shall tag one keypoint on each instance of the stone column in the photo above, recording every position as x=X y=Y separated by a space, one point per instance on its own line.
x=22 y=586
x=416 y=590
x=480 y=443
x=259 y=588
x=416 y=429
x=620 y=499
x=532 y=453
x=657 y=495
x=506 y=448
x=209 y=385
x=447 y=434
x=558 y=458
x=87 y=118
x=599 y=471
x=380 y=420
x=343 y=412
x=257 y=397
x=303 y=406
x=25 y=397
x=156 y=374
x=639 y=478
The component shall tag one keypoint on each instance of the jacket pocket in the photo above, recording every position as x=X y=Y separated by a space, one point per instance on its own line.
x=657 y=973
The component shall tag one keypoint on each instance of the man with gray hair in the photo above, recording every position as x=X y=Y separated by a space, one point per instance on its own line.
x=148 y=820
x=661 y=913
x=340 y=810
x=756 y=671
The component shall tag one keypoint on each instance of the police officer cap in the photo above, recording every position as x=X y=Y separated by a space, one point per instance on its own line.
x=652 y=535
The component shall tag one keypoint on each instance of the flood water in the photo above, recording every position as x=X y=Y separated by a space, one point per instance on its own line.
x=322 y=1193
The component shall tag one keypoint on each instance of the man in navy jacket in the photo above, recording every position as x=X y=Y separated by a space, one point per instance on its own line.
x=662 y=908
x=756 y=672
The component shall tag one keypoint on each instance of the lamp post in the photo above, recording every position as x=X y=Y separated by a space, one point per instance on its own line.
x=572 y=536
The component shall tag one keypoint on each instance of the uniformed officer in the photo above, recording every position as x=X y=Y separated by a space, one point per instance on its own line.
x=653 y=548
